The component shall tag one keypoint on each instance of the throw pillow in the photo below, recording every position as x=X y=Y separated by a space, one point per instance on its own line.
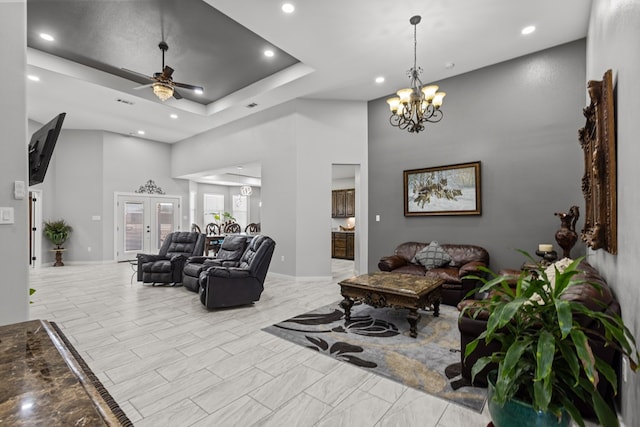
x=432 y=256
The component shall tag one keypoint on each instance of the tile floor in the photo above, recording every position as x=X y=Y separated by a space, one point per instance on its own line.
x=170 y=362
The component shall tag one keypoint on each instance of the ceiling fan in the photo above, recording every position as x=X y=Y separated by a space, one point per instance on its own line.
x=163 y=85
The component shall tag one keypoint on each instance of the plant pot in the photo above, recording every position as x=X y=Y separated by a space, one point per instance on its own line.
x=518 y=413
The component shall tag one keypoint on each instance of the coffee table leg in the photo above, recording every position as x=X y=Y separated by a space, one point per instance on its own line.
x=346 y=305
x=436 y=307
x=413 y=318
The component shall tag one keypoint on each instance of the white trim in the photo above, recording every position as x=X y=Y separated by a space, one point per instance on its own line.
x=298 y=278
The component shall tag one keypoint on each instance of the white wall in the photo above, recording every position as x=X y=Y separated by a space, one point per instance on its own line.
x=86 y=169
x=612 y=43
x=14 y=250
x=128 y=163
x=296 y=143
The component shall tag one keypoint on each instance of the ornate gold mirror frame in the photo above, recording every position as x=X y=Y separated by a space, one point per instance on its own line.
x=598 y=142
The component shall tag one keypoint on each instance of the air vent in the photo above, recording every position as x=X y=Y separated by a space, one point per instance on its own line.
x=252 y=105
x=124 y=101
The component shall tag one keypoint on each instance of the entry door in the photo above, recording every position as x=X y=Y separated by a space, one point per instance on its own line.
x=143 y=222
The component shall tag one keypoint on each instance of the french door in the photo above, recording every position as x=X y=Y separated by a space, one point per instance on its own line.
x=143 y=221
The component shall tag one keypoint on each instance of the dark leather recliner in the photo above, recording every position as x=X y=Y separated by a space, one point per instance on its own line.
x=232 y=286
x=229 y=254
x=465 y=261
x=167 y=265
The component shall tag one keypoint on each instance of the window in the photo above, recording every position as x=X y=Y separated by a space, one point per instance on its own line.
x=241 y=210
x=213 y=204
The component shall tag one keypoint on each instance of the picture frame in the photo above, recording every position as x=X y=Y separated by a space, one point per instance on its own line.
x=599 y=186
x=443 y=190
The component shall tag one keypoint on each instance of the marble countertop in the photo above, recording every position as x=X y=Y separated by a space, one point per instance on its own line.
x=42 y=383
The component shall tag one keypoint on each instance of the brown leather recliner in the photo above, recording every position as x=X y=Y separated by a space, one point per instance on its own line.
x=465 y=261
x=595 y=299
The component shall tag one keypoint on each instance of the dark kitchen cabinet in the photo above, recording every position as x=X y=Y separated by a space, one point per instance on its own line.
x=343 y=245
x=343 y=203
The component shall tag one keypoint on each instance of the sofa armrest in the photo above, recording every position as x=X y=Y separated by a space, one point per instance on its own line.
x=197 y=259
x=472 y=267
x=228 y=272
x=390 y=263
x=214 y=263
x=144 y=258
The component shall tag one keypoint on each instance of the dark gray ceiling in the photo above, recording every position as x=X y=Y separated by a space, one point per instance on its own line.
x=206 y=48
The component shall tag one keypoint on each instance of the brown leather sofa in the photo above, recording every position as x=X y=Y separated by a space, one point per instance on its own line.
x=595 y=299
x=465 y=260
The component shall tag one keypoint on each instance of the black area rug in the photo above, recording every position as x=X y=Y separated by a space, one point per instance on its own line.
x=378 y=340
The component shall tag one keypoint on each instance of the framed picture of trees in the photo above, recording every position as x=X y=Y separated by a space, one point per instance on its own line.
x=443 y=190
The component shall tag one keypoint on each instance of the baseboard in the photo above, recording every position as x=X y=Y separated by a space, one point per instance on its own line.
x=299 y=278
x=49 y=264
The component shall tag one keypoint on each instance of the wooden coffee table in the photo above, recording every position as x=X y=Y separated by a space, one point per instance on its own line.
x=385 y=289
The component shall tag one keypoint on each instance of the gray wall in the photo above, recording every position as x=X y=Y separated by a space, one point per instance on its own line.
x=14 y=250
x=520 y=119
x=614 y=31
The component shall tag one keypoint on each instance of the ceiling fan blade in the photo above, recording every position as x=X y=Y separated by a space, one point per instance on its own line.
x=176 y=94
x=167 y=72
x=187 y=86
x=143 y=86
x=137 y=74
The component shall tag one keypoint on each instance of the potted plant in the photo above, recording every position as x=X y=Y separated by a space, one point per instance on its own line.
x=57 y=232
x=545 y=357
x=223 y=217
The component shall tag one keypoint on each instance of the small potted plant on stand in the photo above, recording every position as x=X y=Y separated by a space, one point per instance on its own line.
x=546 y=362
x=57 y=232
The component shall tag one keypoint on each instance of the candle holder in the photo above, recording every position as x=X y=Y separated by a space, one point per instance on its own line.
x=548 y=257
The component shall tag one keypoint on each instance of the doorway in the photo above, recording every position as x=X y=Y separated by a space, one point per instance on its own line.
x=344 y=221
x=143 y=221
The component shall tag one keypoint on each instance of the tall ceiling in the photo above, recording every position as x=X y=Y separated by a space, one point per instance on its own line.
x=330 y=49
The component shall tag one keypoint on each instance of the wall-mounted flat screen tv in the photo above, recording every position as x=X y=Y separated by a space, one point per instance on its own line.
x=41 y=148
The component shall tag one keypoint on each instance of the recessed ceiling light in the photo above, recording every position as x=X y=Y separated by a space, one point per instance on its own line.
x=198 y=91
x=449 y=65
x=288 y=8
x=379 y=79
x=239 y=168
x=140 y=132
x=268 y=53
x=174 y=116
x=33 y=78
x=47 y=37
x=528 y=30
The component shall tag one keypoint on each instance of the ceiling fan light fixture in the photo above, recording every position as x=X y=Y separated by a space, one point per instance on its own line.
x=162 y=91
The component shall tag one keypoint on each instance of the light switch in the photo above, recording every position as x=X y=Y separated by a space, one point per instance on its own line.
x=95 y=218
x=6 y=216
x=19 y=190
x=377 y=218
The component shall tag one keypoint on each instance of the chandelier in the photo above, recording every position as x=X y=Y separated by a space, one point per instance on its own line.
x=418 y=104
x=246 y=190
x=162 y=91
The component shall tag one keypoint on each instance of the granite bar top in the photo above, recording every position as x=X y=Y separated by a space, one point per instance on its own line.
x=42 y=383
